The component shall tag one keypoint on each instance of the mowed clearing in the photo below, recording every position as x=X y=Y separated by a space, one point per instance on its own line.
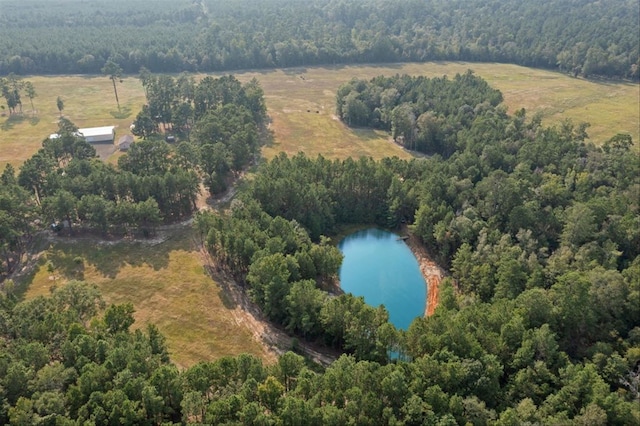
x=167 y=284
x=301 y=104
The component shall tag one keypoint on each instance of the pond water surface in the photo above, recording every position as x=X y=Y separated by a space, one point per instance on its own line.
x=379 y=266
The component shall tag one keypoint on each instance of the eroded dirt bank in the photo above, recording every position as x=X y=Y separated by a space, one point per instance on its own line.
x=432 y=273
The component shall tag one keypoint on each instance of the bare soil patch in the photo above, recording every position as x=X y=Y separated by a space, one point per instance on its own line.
x=432 y=273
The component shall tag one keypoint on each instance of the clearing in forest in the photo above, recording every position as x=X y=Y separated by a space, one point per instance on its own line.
x=301 y=104
x=165 y=280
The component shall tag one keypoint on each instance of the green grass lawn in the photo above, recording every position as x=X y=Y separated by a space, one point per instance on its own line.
x=294 y=95
x=301 y=103
x=167 y=285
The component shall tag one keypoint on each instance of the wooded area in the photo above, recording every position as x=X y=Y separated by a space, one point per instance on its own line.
x=582 y=37
x=65 y=184
x=540 y=323
x=539 y=320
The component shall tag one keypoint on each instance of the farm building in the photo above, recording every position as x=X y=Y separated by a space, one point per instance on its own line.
x=124 y=143
x=106 y=134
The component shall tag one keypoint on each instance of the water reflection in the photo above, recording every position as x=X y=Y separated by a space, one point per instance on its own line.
x=379 y=266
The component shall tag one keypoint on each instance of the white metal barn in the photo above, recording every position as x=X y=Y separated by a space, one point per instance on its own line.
x=106 y=134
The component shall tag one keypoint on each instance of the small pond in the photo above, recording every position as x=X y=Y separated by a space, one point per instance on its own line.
x=379 y=266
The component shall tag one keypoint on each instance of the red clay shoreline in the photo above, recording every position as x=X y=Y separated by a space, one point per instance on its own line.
x=431 y=272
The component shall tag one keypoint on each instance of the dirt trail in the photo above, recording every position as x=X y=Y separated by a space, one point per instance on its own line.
x=274 y=340
x=245 y=313
x=431 y=272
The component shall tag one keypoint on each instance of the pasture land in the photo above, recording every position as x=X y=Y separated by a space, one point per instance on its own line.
x=301 y=103
x=167 y=284
x=89 y=101
x=610 y=107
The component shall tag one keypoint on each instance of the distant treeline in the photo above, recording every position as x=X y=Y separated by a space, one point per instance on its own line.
x=584 y=37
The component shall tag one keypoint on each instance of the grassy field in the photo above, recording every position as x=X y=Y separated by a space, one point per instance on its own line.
x=167 y=285
x=301 y=103
x=89 y=101
x=610 y=107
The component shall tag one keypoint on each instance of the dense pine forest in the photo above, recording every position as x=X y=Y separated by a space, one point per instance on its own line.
x=537 y=226
x=582 y=37
x=538 y=323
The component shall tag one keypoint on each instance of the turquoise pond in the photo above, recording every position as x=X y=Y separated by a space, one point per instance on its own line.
x=379 y=266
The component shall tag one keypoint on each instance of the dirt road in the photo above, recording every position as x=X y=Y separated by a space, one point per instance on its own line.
x=245 y=313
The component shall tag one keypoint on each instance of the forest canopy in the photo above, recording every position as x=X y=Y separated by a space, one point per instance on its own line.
x=583 y=37
x=542 y=327
x=538 y=321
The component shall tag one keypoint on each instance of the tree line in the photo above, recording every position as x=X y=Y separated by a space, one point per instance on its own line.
x=219 y=120
x=69 y=185
x=64 y=184
x=581 y=37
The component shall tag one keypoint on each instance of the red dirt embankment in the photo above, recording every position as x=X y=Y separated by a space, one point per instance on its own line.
x=431 y=272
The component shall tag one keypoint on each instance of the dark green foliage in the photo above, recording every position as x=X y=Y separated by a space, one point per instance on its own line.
x=154 y=182
x=218 y=118
x=73 y=187
x=17 y=212
x=529 y=218
x=422 y=114
x=539 y=323
x=60 y=361
x=581 y=37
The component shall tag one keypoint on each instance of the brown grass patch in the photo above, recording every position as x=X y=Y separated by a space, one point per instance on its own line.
x=610 y=107
x=167 y=285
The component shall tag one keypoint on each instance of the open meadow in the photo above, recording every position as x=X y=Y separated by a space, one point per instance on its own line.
x=167 y=283
x=301 y=104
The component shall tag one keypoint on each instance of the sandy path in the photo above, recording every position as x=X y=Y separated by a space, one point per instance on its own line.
x=431 y=272
x=274 y=340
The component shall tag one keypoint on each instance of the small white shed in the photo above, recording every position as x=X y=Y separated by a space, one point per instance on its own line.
x=124 y=143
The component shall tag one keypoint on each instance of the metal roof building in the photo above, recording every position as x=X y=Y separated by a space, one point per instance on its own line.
x=105 y=134
x=98 y=134
x=124 y=143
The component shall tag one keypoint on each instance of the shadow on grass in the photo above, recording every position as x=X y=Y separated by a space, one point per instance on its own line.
x=268 y=137
x=124 y=112
x=34 y=120
x=11 y=121
x=294 y=71
x=70 y=258
x=226 y=299
x=65 y=264
x=25 y=279
x=365 y=134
